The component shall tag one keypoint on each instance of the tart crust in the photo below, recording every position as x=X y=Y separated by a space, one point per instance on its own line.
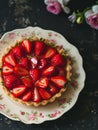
x=68 y=69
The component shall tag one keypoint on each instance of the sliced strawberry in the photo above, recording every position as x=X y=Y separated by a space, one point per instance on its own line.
x=10 y=59
x=44 y=94
x=53 y=89
x=39 y=46
x=7 y=69
x=35 y=74
x=48 y=71
x=57 y=60
x=20 y=71
x=27 y=96
x=43 y=82
x=36 y=95
x=28 y=45
x=11 y=81
x=50 y=53
x=19 y=90
x=25 y=62
x=42 y=63
x=19 y=51
x=27 y=82
x=34 y=62
x=59 y=81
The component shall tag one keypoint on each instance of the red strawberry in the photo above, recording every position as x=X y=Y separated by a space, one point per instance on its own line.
x=53 y=89
x=44 y=94
x=50 y=52
x=39 y=46
x=27 y=82
x=28 y=45
x=34 y=62
x=43 y=82
x=25 y=62
x=57 y=60
x=19 y=51
x=42 y=63
x=20 y=71
x=10 y=59
x=11 y=81
x=7 y=69
x=48 y=71
x=59 y=81
x=27 y=96
x=35 y=74
x=19 y=90
x=36 y=95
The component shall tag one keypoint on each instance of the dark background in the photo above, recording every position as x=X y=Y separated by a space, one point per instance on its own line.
x=22 y=13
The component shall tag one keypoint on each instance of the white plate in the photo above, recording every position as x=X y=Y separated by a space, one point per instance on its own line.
x=37 y=115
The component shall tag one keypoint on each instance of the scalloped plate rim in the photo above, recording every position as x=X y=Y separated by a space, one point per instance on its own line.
x=77 y=94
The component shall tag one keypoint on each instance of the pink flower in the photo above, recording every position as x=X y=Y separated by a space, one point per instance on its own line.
x=93 y=21
x=54 y=6
x=91 y=17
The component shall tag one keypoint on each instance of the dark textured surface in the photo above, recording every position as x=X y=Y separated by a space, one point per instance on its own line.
x=22 y=13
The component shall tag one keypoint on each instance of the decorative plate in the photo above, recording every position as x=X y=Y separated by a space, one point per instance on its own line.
x=37 y=115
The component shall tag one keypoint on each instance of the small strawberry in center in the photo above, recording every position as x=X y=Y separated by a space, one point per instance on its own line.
x=35 y=74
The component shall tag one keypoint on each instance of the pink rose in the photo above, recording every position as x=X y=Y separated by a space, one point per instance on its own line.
x=93 y=21
x=54 y=6
x=91 y=17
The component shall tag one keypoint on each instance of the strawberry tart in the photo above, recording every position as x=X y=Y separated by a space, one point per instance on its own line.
x=35 y=71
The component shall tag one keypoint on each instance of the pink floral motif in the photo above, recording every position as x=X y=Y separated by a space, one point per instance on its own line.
x=56 y=35
x=2 y=106
x=24 y=35
x=11 y=115
x=58 y=112
x=49 y=34
x=12 y=35
x=32 y=116
x=53 y=41
x=22 y=112
x=62 y=101
x=41 y=115
x=52 y=115
x=54 y=6
x=33 y=33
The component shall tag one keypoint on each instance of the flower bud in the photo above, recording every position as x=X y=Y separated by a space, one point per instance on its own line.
x=79 y=20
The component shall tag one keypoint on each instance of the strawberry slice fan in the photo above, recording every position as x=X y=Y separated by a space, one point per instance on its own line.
x=35 y=72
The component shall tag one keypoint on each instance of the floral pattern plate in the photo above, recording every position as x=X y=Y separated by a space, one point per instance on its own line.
x=37 y=115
